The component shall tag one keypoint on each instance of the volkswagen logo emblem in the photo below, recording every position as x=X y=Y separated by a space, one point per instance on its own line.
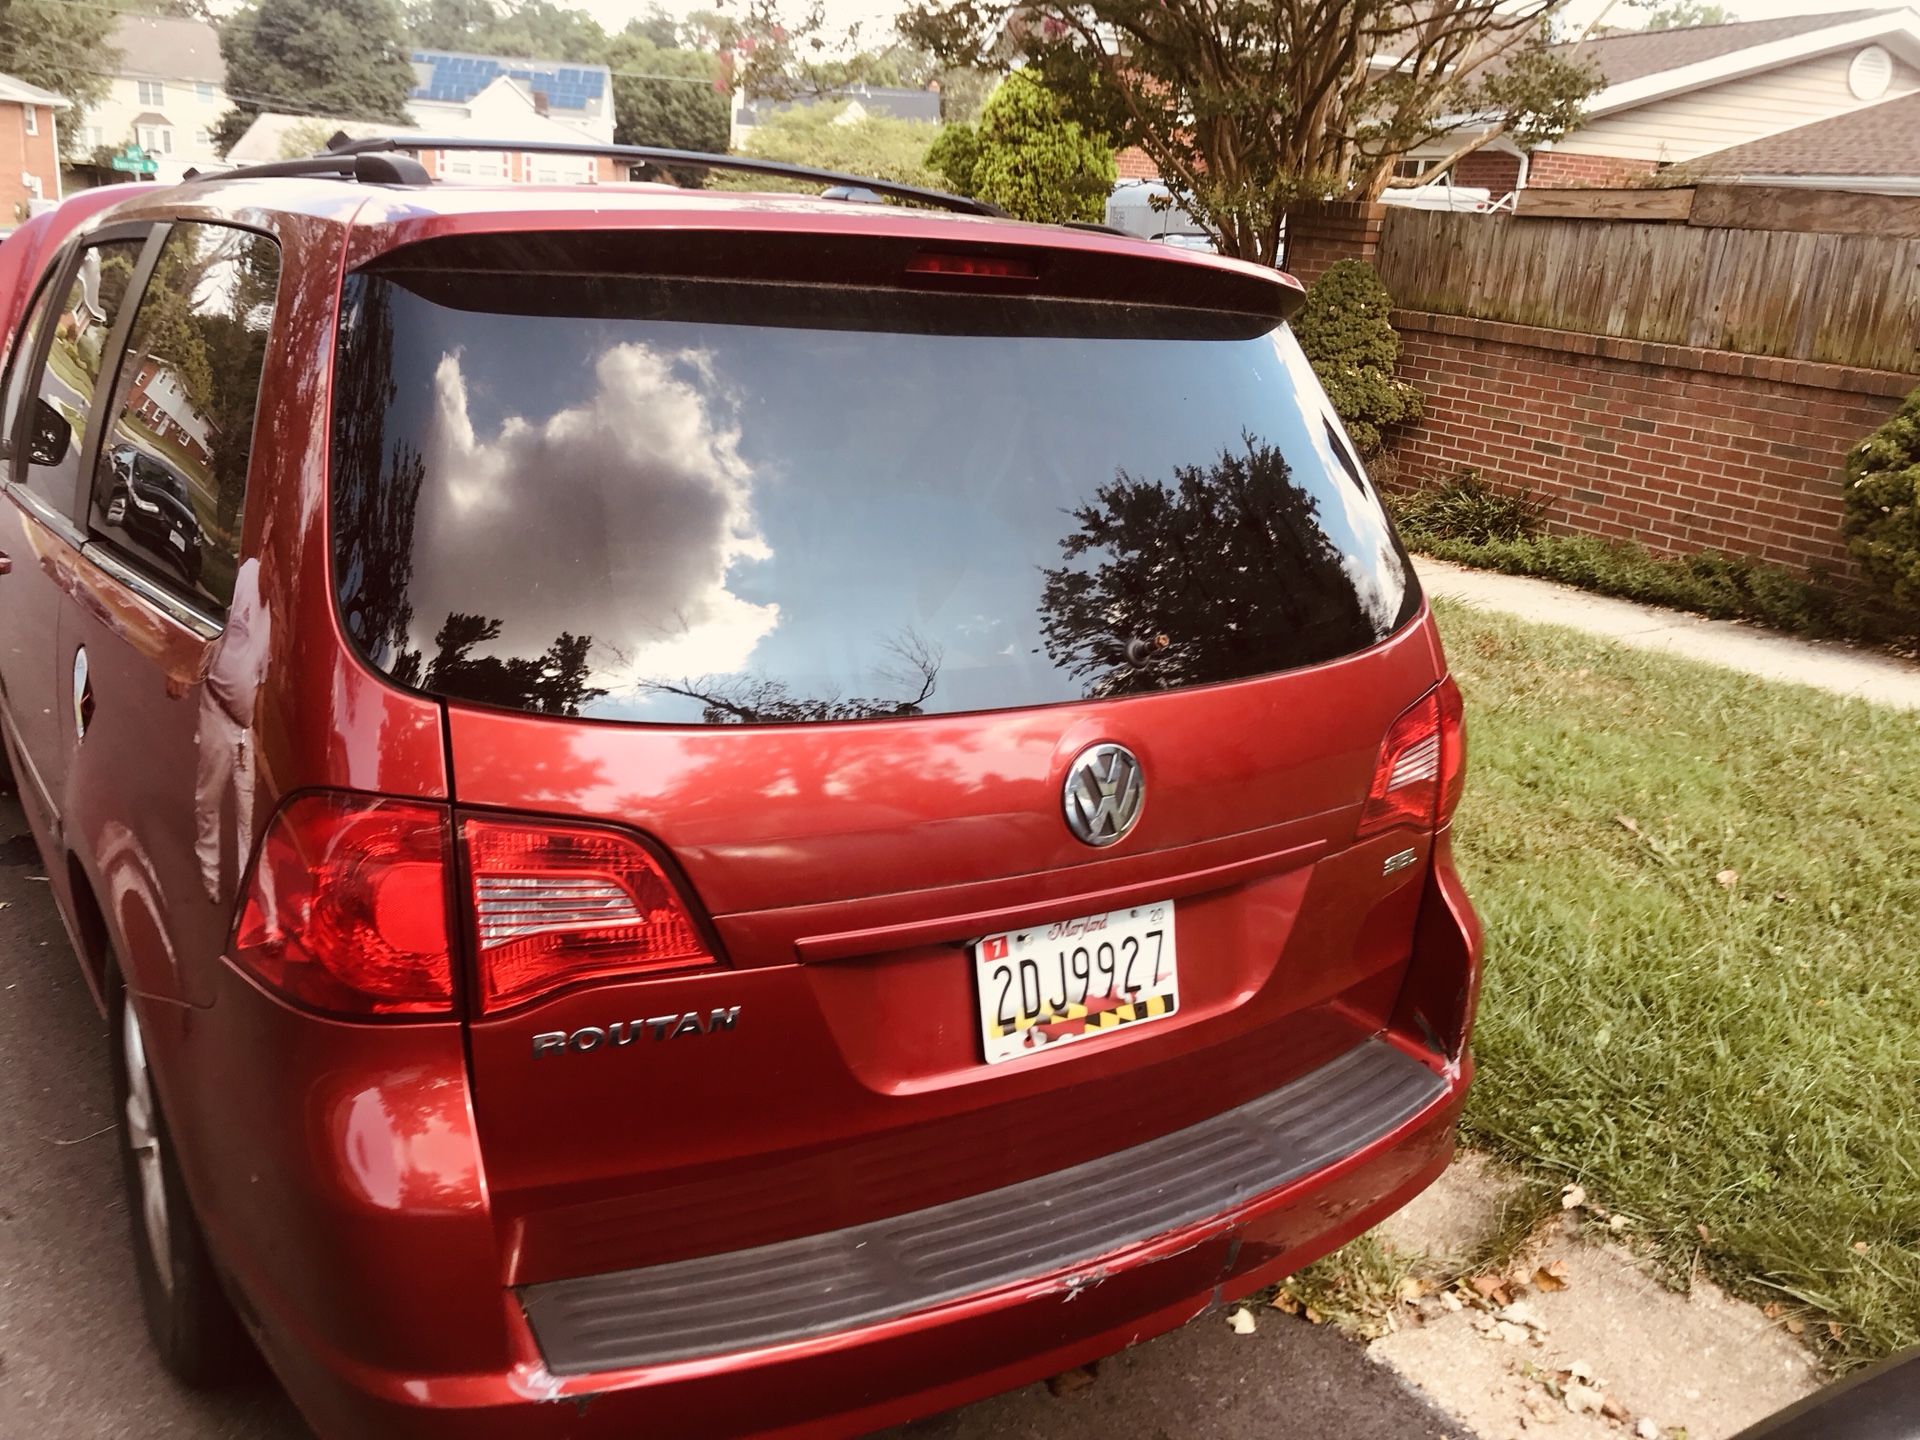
x=1104 y=792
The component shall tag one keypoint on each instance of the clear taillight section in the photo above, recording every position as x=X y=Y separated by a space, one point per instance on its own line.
x=558 y=905
x=346 y=907
x=1422 y=764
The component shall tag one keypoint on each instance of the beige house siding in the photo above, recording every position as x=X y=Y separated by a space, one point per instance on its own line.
x=1703 y=121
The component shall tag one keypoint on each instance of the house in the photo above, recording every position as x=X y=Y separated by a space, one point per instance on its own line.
x=29 y=147
x=1875 y=148
x=887 y=102
x=159 y=399
x=506 y=109
x=452 y=89
x=166 y=94
x=485 y=97
x=1672 y=96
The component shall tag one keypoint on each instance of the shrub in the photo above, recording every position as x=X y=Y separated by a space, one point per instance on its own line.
x=1026 y=157
x=1722 y=586
x=1882 y=520
x=1345 y=331
x=1468 y=508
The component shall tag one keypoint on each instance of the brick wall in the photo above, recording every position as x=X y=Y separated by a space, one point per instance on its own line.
x=1557 y=167
x=1133 y=163
x=1494 y=169
x=1678 y=448
x=24 y=154
x=1318 y=235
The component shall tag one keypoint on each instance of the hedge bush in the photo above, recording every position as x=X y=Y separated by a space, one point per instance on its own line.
x=1350 y=341
x=1882 y=520
x=1469 y=522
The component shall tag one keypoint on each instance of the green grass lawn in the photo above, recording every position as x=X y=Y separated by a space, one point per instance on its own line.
x=1702 y=901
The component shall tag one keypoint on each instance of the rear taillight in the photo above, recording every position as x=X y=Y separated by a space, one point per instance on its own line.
x=1422 y=765
x=558 y=905
x=346 y=907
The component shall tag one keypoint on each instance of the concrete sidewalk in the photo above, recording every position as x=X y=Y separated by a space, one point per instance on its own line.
x=1825 y=664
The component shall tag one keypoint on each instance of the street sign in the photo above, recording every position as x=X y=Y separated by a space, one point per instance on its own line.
x=134 y=161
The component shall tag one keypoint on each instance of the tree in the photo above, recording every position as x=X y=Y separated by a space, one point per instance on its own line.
x=665 y=96
x=1027 y=157
x=876 y=145
x=1882 y=499
x=61 y=47
x=1684 y=14
x=541 y=30
x=1346 y=332
x=1247 y=107
x=344 y=59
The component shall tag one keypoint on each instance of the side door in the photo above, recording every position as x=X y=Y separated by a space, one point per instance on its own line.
x=62 y=363
x=170 y=614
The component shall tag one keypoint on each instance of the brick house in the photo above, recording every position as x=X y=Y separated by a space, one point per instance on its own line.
x=159 y=399
x=29 y=147
x=1671 y=96
x=505 y=110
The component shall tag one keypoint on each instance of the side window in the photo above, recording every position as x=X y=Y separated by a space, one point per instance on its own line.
x=55 y=432
x=171 y=481
x=20 y=365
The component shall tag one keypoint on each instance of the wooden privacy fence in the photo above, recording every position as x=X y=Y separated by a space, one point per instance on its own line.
x=1846 y=299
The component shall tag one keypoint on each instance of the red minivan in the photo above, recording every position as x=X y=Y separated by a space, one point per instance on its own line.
x=709 y=814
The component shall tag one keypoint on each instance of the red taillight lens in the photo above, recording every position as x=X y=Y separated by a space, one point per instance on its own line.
x=1453 y=747
x=346 y=907
x=1422 y=765
x=556 y=905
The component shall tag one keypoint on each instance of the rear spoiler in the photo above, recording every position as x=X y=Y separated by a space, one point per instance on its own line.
x=1039 y=262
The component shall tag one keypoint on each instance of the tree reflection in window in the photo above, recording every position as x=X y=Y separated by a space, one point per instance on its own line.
x=1224 y=573
x=761 y=700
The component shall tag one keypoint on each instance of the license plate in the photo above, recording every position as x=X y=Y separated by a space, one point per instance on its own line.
x=1075 y=980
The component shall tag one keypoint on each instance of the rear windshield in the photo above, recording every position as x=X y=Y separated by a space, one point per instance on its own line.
x=687 y=501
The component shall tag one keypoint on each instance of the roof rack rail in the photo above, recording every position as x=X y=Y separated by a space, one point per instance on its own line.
x=380 y=169
x=384 y=146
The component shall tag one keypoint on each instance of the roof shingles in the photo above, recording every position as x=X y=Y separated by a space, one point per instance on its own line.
x=1633 y=55
x=1882 y=139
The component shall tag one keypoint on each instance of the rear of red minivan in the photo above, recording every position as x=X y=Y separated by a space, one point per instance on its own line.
x=950 y=775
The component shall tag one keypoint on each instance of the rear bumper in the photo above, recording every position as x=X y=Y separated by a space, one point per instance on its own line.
x=839 y=1334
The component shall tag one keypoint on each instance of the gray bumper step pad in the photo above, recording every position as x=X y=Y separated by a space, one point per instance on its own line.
x=819 y=1284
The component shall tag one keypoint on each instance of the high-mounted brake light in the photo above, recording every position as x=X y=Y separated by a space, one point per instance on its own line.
x=345 y=909
x=979 y=267
x=1422 y=765
x=557 y=905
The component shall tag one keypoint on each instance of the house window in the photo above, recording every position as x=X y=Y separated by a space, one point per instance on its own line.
x=201 y=139
x=1412 y=169
x=203 y=90
x=156 y=139
x=33 y=119
x=474 y=165
x=152 y=92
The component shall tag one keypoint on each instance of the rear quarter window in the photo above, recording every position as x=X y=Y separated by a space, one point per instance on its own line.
x=664 y=500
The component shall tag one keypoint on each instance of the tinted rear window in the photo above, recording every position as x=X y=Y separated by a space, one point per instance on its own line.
x=693 y=501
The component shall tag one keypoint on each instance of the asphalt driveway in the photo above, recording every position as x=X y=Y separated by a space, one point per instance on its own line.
x=74 y=1364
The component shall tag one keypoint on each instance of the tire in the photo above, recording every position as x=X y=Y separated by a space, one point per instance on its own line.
x=189 y=1319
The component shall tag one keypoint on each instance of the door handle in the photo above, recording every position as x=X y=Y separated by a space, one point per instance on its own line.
x=6 y=565
x=82 y=694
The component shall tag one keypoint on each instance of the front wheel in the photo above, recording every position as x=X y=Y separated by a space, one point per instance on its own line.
x=193 y=1327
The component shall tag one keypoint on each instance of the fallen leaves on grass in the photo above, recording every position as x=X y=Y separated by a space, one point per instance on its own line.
x=1572 y=1197
x=1727 y=879
x=1240 y=1319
